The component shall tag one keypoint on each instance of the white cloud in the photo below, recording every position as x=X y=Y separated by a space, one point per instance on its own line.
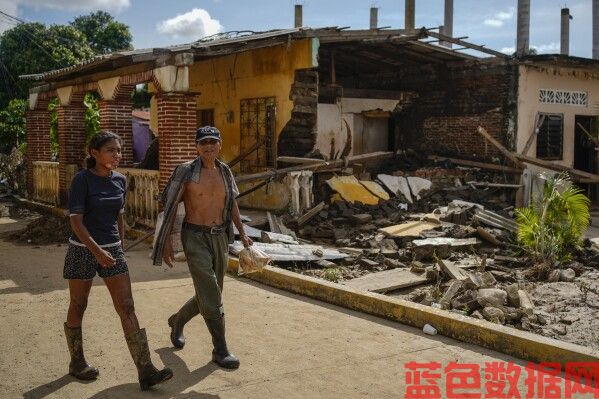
x=496 y=23
x=547 y=48
x=195 y=24
x=108 y=5
x=542 y=49
x=498 y=20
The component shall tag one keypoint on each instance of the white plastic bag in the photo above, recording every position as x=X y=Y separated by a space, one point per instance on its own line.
x=252 y=260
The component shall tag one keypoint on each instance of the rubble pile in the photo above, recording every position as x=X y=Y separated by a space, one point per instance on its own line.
x=452 y=247
x=43 y=231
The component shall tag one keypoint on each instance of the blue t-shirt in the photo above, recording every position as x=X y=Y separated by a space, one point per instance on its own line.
x=100 y=200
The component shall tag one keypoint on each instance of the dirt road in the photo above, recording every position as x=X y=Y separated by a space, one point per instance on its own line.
x=289 y=346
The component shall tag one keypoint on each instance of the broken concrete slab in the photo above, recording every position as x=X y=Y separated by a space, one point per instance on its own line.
x=493 y=314
x=452 y=242
x=387 y=280
x=495 y=220
x=478 y=280
x=397 y=185
x=513 y=299
x=351 y=190
x=451 y=270
x=289 y=252
x=419 y=185
x=375 y=189
x=452 y=290
x=491 y=297
x=367 y=263
x=269 y=237
x=526 y=304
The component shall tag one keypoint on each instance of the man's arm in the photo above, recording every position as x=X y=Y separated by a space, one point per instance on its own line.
x=236 y=216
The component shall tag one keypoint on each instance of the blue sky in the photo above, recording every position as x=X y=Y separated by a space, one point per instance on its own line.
x=155 y=23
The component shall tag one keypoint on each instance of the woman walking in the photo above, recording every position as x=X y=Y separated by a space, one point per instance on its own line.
x=96 y=205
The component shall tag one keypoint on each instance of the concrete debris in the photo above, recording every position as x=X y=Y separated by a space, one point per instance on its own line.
x=567 y=275
x=493 y=314
x=398 y=185
x=491 y=297
x=418 y=185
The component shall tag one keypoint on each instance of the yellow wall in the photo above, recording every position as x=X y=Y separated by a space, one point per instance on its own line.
x=534 y=78
x=268 y=72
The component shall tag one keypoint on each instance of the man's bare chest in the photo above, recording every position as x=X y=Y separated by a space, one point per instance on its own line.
x=210 y=184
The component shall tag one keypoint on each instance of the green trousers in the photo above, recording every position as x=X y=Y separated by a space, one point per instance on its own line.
x=207 y=258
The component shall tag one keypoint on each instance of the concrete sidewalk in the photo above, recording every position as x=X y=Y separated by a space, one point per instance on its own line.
x=289 y=346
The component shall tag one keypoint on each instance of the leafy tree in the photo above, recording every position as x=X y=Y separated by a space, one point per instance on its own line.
x=104 y=34
x=54 y=146
x=141 y=96
x=92 y=117
x=555 y=222
x=12 y=125
x=32 y=48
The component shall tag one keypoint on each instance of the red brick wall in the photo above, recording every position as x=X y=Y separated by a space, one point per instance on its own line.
x=71 y=140
x=452 y=102
x=176 y=131
x=115 y=116
x=38 y=141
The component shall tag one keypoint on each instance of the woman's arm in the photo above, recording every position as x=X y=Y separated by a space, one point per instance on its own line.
x=121 y=225
x=103 y=257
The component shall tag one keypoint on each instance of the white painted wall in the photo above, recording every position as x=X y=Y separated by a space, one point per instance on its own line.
x=368 y=134
x=531 y=80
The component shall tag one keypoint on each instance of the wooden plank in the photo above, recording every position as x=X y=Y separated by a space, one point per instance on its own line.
x=387 y=280
x=306 y=217
x=577 y=174
x=482 y=165
x=477 y=47
x=509 y=155
x=594 y=139
x=300 y=160
x=272 y=223
x=453 y=271
x=363 y=158
x=247 y=152
x=497 y=185
x=533 y=134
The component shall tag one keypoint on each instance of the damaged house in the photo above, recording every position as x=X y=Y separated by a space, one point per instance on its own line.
x=325 y=93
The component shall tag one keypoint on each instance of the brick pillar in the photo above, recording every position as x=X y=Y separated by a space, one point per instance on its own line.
x=71 y=140
x=115 y=116
x=37 y=127
x=176 y=131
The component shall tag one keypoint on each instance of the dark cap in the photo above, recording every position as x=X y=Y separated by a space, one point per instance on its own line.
x=207 y=132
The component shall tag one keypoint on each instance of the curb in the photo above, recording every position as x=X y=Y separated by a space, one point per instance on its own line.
x=513 y=342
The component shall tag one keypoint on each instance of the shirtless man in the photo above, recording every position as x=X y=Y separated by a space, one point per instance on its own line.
x=208 y=190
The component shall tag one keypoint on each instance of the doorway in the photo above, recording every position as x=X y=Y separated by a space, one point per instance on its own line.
x=585 y=155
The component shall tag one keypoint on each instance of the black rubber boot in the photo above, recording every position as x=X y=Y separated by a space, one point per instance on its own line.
x=220 y=354
x=78 y=368
x=179 y=319
x=148 y=375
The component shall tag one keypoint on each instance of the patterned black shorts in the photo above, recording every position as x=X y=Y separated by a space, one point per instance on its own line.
x=80 y=264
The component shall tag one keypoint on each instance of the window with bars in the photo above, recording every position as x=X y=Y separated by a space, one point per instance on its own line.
x=205 y=117
x=551 y=137
x=257 y=123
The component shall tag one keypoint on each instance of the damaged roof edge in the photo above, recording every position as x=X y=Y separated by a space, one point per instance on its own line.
x=233 y=42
